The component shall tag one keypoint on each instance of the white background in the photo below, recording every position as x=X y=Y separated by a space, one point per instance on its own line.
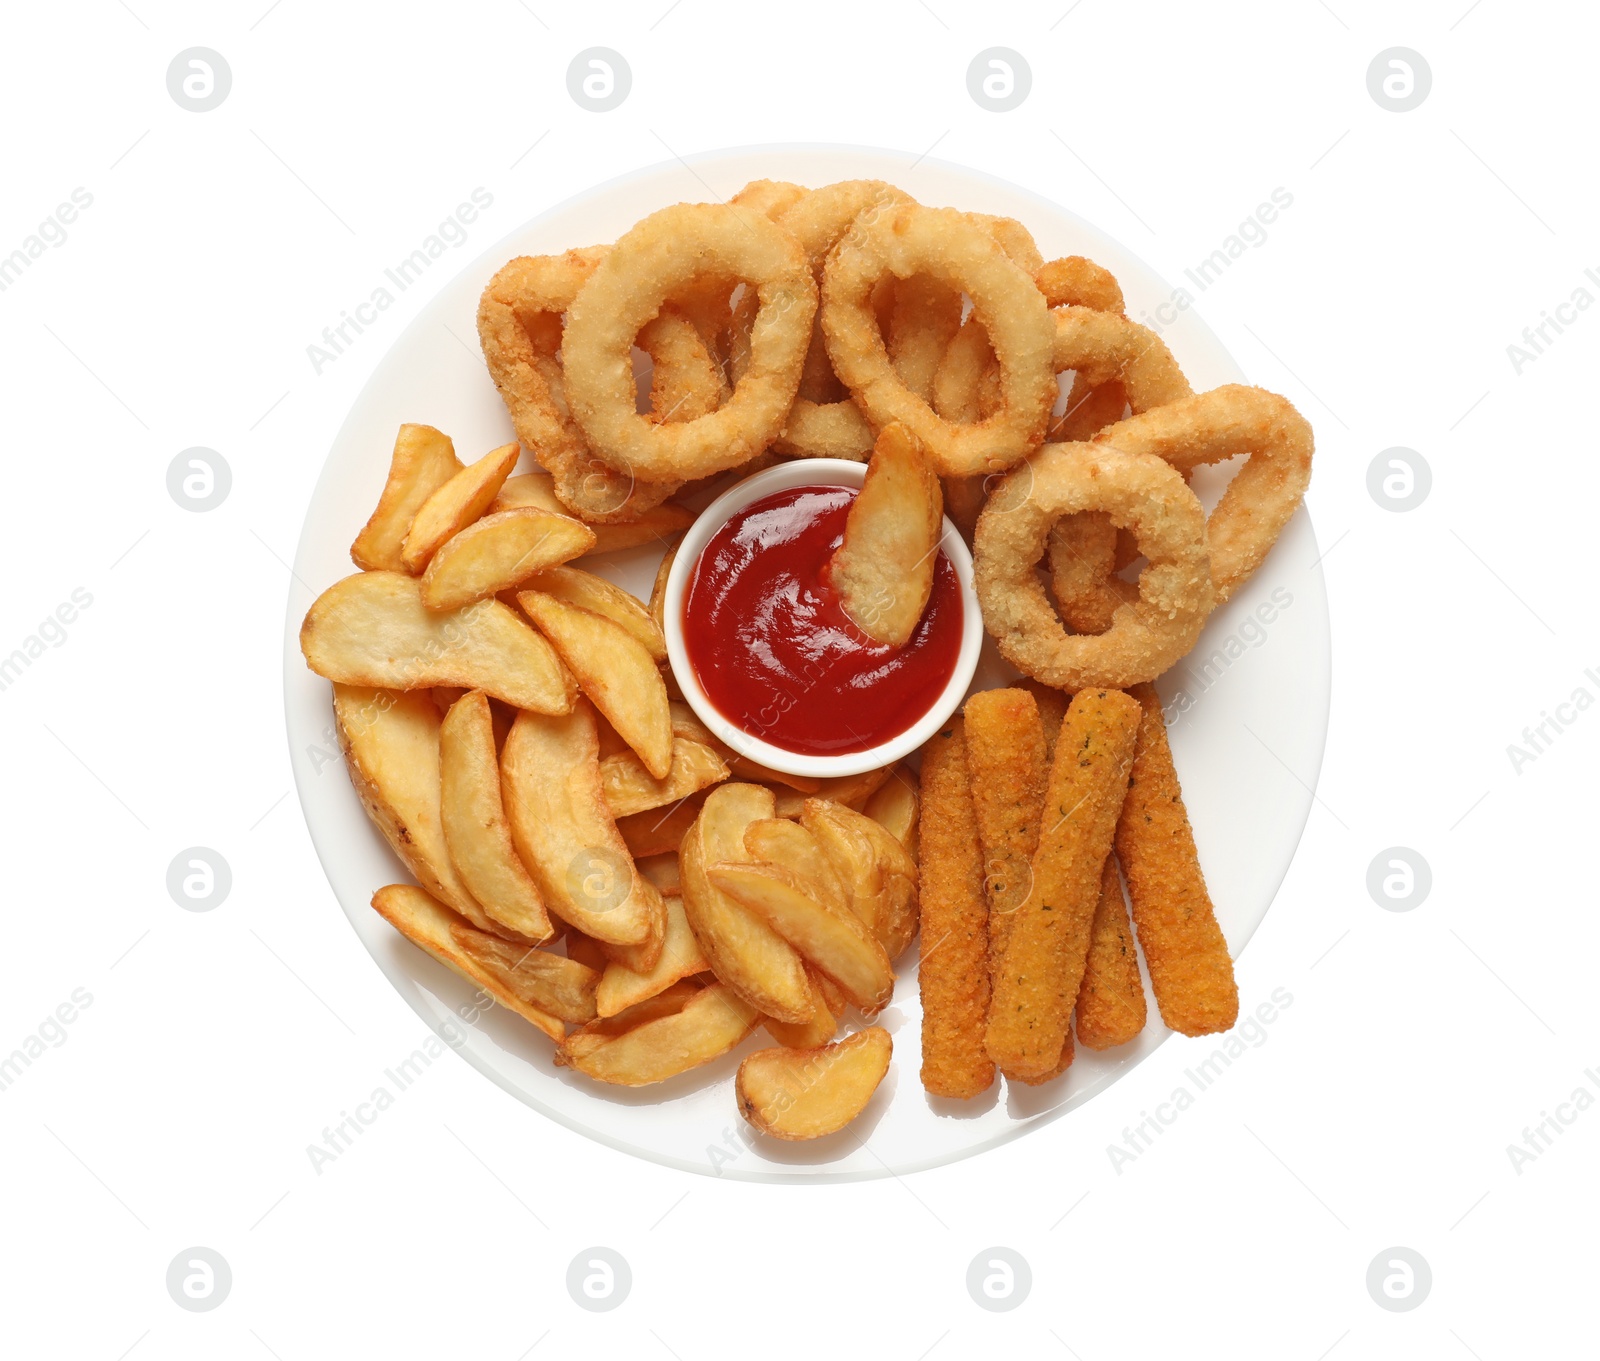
x=1419 y=1045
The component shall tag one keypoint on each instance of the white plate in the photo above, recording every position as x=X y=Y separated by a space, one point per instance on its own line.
x=1249 y=709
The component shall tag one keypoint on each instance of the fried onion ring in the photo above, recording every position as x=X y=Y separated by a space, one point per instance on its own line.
x=1138 y=490
x=955 y=249
x=652 y=261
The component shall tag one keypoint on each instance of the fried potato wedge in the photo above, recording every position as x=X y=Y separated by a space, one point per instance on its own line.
x=883 y=570
x=586 y=950
x=424 y=460
x=778 y=841
x=630 y=788
x=745 y=953
x=807 y=1093
x=660 y=830
x=372 y=629
x=474 y=819
x=894 y=807
x=498 y=552
x=658 y=589
x=614 y=670
x=711 y=1023
x=681 y=957
x=824 y=1023
x=657 y=525
x=591 y=592
x=457 y=504
x=830 y=937
x=685 y=724
x=540 y=987
x=878 y=873
x=391 y=749
x=668 y=1002
x=564 y=833
x=852 y=791
x=662 y=871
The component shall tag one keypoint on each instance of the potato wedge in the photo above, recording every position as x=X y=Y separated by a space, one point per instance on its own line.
x=590 y=592
x=824 y=1023
x=662 y=871
x=658 y=589
x=830 y=937
x=515 y=981
x=708 y=1026
x=681 y=957
x=660 y=830
x=658 y=525
x=614 y=671
x=746 y=954
x=586 y=950
x=852 y=791
x=630 y=788
x=779 y=841
x=457 y=504
x=565 y=835
x=498 y=552
x=474 y=819
x=883 y=570
x=878 y=873
x=895 y=806
x=807 y=1093
x=685 y=724
x=668 y=1002
x=371 y=629
x=391 y=749
x=423 y=461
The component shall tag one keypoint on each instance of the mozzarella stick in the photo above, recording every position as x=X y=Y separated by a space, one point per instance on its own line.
x=953 y=974
x=1190 y=971
x=1049 y=943
x=1005 y=756
x=1052 y=709
x=1111 y=1006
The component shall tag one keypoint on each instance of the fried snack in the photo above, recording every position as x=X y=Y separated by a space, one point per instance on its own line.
x=778 y=841
x=595 y=593
x=390 y=741
x=656 y=257
x=1147 y=635
x=1048 y=945
x=498 y=552
x=745 y=953
x=660 y=524
x=1219 y=425
x=520 y=328
x=712 y=1022
x=614 y=670
x=894 y=807
x=883 y=571
x=908 y=240
x=878 y=874
x=807 y=1093
x=953 y=973
x=630 y=788
x=1075 y=281
x=1052 y=709
x=852 y=791
x=662 y=871
x=1111 y=1005
x=1005 y=757
x=373 y=629
x=474 y=821
x=457 y=504
x=826 y=934
x=828 y=1004
x=660 y=830
x=424 y=460
x=1184 y=949
x=658 y=590
x=1089 y=410
x=550 y=775
x=621 y=987
x=687 y=726
x=540 y=987
x=922 y=322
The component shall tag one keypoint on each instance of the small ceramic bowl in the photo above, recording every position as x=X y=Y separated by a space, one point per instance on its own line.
x=811 y=472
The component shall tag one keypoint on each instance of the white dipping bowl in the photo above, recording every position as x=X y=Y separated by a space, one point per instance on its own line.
x=811 y=472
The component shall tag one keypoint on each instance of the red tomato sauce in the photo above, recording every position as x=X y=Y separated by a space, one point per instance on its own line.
x=774 y=650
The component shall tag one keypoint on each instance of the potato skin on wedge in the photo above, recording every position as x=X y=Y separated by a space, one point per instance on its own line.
x=808 y=1093
x=711 y=1023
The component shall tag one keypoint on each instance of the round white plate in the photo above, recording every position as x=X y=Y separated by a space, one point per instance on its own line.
x=1248 y=710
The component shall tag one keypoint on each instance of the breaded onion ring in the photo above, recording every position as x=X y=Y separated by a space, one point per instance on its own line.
x=1138 y=490
x=652 y=261
x=955 y=249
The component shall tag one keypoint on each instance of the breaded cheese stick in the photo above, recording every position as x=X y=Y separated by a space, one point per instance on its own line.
x=1111 y=1005
x=1190 y=970
x=1052 y=709
x=953 y=973
x=1005 y=757
x=1048 y=945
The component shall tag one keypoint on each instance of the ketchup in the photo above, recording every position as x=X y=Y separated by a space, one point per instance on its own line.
x=774 y=650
